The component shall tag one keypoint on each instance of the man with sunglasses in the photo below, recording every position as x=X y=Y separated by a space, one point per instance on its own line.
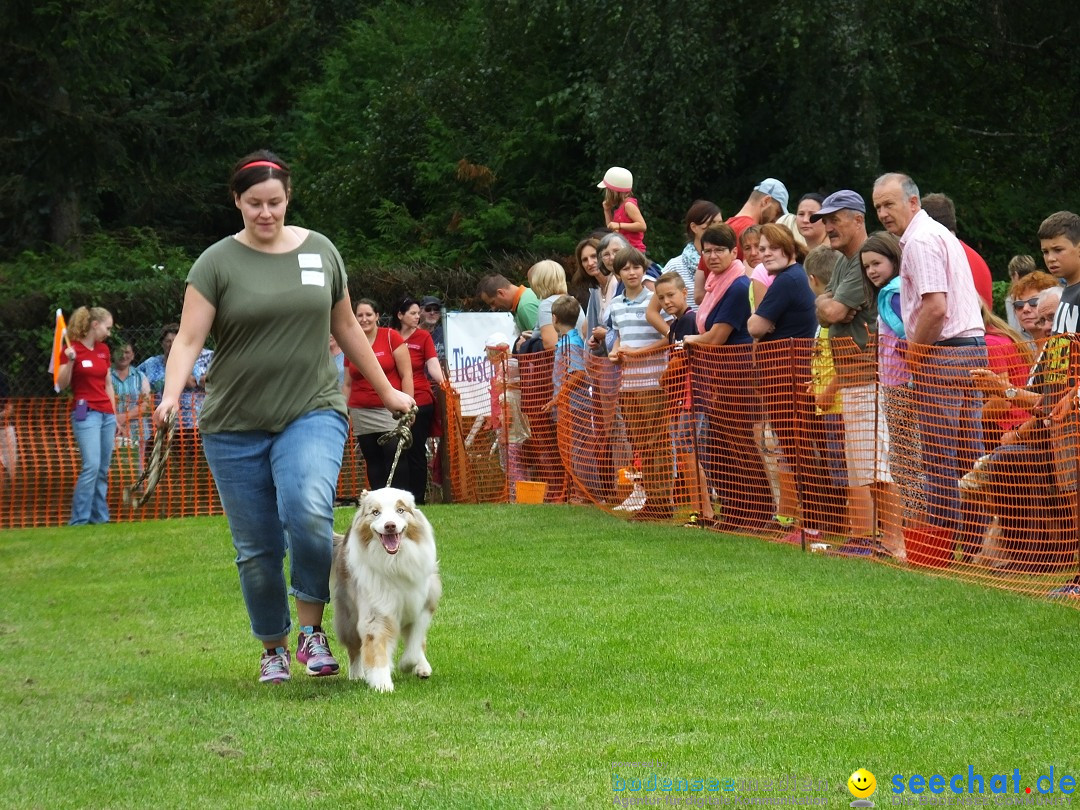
x=431 y=321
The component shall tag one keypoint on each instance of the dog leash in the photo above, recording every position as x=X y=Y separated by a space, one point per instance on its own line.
x=403 y=433
x=163 y=439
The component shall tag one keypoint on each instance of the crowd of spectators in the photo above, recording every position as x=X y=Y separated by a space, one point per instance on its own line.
x=823 y=364
x=795 y=371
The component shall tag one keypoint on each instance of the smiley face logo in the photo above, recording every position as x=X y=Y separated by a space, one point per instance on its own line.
x=862 y=784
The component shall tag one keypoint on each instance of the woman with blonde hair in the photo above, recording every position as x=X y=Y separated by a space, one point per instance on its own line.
x=548 y=281
x=84 y=365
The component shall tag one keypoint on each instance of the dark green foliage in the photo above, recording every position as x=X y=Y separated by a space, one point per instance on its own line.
x=130 y=114
x=132 y=274
x=443 y=131
x=440 y=135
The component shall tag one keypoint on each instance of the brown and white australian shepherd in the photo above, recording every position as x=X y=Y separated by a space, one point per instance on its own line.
x=386 y=585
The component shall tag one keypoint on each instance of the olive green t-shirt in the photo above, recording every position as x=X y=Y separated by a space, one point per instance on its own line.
x=854 y=361
x=272 y=327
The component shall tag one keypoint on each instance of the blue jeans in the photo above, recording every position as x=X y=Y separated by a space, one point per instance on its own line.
x=255 y=471
x=95 y=436
x=952 y=439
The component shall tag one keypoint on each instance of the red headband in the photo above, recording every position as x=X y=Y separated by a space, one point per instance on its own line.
x=254 y=163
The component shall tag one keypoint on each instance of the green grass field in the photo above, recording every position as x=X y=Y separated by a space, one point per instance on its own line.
x=567 y=640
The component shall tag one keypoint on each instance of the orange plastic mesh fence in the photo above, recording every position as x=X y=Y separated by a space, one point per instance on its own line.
x=913 y=458
x=905 y=457
x=39 y=464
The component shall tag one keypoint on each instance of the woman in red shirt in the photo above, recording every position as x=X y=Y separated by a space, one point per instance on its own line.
x=84 y=366
x=370 y=418
x=425 y=370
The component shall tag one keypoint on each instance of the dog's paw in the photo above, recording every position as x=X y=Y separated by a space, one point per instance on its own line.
x=380 y=680
x=420 y=666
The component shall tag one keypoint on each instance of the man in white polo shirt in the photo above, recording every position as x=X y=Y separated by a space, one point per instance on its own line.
x=946 y=341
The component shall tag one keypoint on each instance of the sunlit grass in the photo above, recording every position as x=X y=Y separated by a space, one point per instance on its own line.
x=566 y=640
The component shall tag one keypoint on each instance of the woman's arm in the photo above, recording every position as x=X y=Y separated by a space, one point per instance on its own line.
x=196 y=318
x=63 y=379
x=403 y=361
x=549 y=336
x=759 y=327
x=759 y=290
x=434 y=370
x=351 y=338
x=110 y=392
x=699 y=286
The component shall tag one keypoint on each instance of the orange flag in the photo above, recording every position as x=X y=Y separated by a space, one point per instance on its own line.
x=59 y=339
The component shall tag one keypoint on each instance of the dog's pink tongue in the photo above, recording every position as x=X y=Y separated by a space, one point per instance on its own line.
x=390 y=542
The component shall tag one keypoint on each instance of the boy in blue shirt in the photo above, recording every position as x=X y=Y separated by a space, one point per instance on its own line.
x=671 y=293
x=569 y=366
x=573 y=422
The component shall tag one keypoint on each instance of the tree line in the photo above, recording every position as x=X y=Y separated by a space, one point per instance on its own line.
x=446 y=138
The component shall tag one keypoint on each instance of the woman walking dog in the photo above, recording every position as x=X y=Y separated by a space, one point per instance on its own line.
x=274 y=421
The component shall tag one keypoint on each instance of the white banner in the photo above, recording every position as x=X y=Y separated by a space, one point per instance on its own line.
x=466 y=358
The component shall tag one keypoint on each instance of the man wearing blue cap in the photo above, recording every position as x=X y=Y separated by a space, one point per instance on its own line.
x=766 y=203
x=848 y=307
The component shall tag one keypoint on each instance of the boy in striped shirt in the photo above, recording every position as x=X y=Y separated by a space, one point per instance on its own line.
x=642 y=402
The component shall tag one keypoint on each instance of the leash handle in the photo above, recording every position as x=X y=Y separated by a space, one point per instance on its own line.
x=404 y=436
x=163 y=439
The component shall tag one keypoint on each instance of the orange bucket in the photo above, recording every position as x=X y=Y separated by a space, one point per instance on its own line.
x=624 y=481
x=530 y=491
x=929 y=547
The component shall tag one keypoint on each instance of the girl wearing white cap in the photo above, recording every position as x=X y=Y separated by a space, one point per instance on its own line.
x=621 y=212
